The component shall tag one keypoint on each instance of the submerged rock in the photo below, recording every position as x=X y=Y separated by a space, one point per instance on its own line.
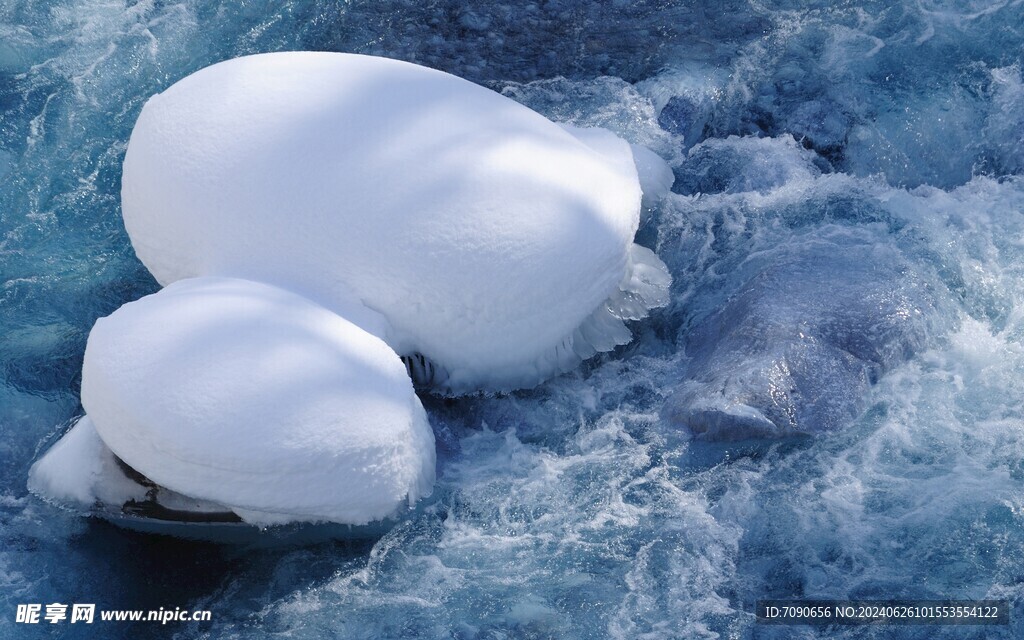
x=796 y=348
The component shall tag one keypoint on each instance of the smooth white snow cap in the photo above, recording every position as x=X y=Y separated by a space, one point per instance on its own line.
x=484 y=234
x=252 y=397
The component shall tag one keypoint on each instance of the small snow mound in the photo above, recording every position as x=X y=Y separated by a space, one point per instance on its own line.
x=80 y=471
x=246 y=395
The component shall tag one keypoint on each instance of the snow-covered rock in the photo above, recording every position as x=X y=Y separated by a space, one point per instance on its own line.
x=252 y=397
x=497 y=245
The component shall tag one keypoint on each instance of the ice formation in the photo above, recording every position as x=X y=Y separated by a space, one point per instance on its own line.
x=244 y=395
x=497 y=245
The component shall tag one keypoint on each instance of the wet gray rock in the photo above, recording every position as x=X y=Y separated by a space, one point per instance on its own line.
x=796 y=349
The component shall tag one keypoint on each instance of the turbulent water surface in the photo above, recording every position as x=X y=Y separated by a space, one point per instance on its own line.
x=846 y=236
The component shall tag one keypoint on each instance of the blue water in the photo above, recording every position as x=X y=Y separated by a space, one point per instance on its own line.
x=847 y=241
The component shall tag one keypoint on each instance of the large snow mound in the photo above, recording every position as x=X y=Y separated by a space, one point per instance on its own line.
x=255 y=398
x=485 y=234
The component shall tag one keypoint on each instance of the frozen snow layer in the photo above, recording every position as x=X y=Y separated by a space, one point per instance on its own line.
x=80 y=471
x=485 y=234
x=249 y=396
